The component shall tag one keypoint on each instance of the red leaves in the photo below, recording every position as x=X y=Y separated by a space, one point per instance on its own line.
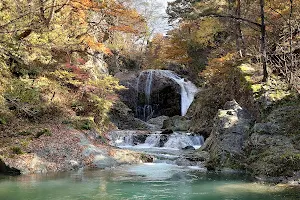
x=80 y=73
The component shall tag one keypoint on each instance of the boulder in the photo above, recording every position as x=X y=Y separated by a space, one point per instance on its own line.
x=158 y=121
x=225 y=144
x=123 y=117
x=177 y=123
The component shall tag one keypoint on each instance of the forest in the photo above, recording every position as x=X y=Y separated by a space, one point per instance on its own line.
x=71 y=69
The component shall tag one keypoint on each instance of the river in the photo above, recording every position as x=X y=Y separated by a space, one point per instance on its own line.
x=145 y=181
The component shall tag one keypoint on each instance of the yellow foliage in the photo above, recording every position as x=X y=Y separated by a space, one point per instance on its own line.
x=208 y=28
x=96 y=45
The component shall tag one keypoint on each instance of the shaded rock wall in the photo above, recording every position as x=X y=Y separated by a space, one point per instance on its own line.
x=165 y=95
x=268 y=150
x=273 y=149
x=225 y=144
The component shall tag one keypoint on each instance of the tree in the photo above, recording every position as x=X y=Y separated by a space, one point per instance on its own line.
x=45 y=48
x=263 y=41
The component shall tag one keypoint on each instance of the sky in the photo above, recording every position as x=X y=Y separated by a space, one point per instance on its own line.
x=157 y=20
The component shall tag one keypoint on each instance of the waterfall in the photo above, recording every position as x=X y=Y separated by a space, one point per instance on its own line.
x=148 y=86
x=187 y=91
x=147 y=108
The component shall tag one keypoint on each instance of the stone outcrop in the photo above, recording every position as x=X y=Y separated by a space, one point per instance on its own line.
x=273 y=148
x=123 y=117
x=158 y=122
x=269 y=150
x=225 y=144
x=67 y=149
x=176 y=123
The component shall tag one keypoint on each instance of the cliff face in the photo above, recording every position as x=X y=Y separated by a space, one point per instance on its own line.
x=273 y=147
x=268 y=150
x=258 y=133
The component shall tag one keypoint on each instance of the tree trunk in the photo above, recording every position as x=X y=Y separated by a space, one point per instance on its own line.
x=234 y=8
x=263 y=41
x=240 y=40
x=290 y=75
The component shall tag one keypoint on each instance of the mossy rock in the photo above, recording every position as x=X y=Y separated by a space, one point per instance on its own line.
x=177 y=123
x=275 y=162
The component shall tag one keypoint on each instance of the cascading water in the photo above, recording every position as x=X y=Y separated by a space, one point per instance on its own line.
x=146 y=79
x=188 y=90
x=176 y=140
x=164 y=148
x=153 y=140
x=180 y=141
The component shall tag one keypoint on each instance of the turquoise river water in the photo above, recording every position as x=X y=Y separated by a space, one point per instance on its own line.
x=147 y=181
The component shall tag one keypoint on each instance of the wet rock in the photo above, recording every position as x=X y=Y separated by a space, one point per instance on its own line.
x=163 y=139
x=167 y=132
x=188 y=148
x=184 y=162
x=158 y=121
x=177 y=123
x=123 y=118
x=196 y=156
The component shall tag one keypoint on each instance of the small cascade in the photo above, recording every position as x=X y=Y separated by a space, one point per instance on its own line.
x=122 y=138
x=146 y=79
x=153 y=140
x=126 y=140
x=179 y=141
x=197 y=140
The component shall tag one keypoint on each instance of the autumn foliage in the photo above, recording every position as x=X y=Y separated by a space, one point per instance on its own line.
x=47 y=57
